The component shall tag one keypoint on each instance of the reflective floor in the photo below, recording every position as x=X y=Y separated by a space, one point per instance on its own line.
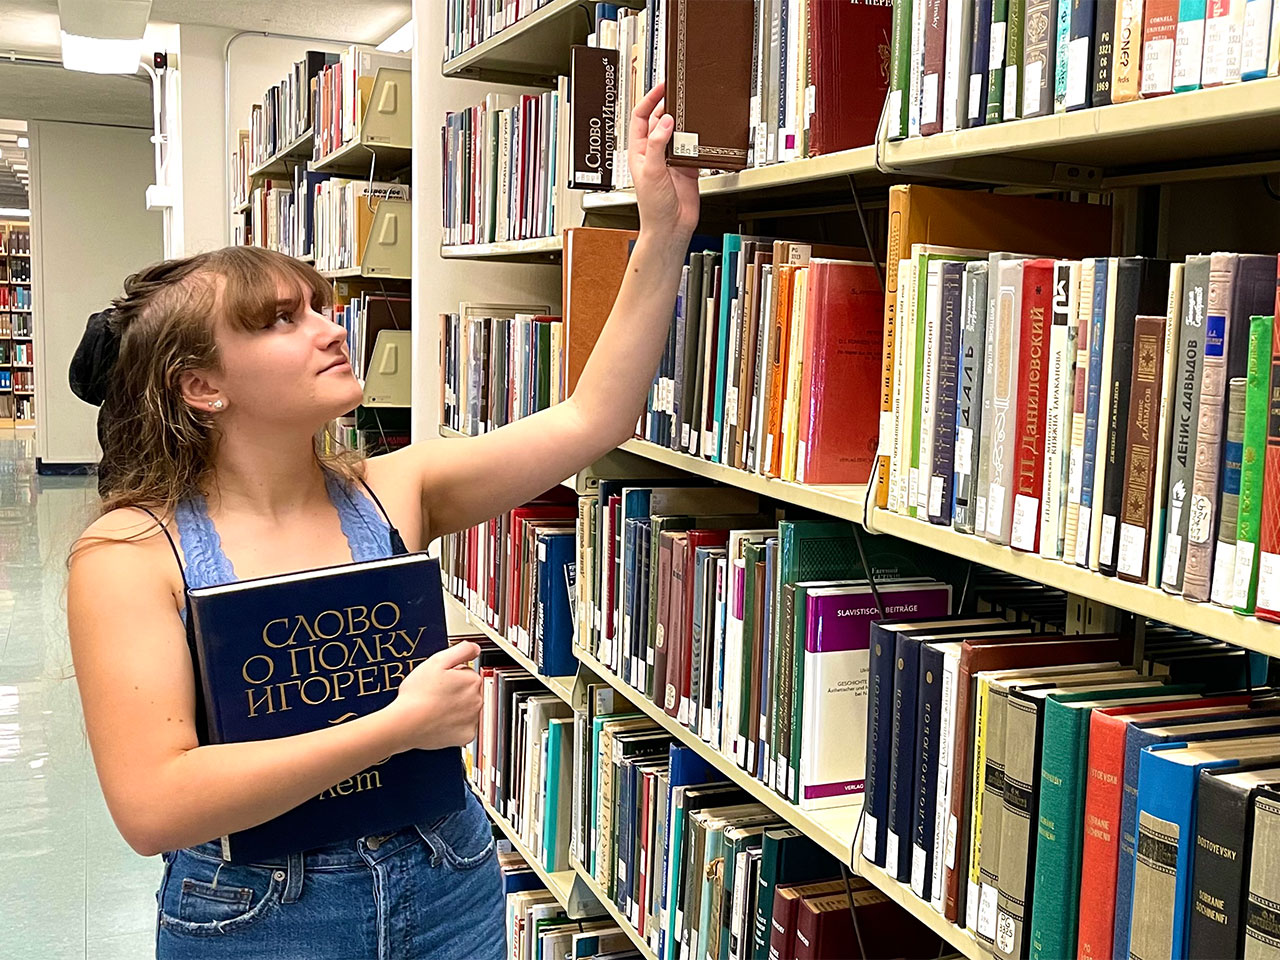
x=69 y=885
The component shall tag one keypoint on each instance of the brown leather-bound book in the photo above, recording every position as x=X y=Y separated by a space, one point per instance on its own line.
x=849 y=43
x=709 y=64
x=595 y=261
x=593 y=78
x=935 y=56
x=917 y=214
x=1140 y=455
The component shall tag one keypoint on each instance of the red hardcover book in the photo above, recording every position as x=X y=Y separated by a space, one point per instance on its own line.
x=843 y=346
x=1033 y=399
x=849 y=45
x=679 y=666
x=1102 y=806
x=935 y=56
x=1269 y=548
x=533 y=511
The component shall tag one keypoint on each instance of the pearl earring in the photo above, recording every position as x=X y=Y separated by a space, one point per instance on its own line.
x=215 y=404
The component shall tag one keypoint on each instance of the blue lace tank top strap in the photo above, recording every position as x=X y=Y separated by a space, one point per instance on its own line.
x=207 y=565
x=366 y=530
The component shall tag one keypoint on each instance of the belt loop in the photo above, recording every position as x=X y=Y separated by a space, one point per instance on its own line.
x=293 y=882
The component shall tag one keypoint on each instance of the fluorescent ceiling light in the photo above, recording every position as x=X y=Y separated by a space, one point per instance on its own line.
x=100 y=55
x=14 y=212
x=23 y=143
x=399 y=42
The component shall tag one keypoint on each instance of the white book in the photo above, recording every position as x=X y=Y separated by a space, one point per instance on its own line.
x=1273 y=54
x=932 y=311
x=1060 y=397
x=1217 y=43
x=915 y=89
x=906 y=492
x=713 y=717
x=1006 y=321
x=1164 y=428
x=1098 y=531
x=946 y=752
x=955 y=85
x=1235 y=40
x=1257 y=30
x=1080 y=392
x=759 y=397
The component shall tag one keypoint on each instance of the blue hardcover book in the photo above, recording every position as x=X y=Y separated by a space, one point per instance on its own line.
x=1093 y=397
x=979 y=60
x=284 y=655
x=1138 y=737
x=879 y=742
x=642 y=594
x=942 y=470
x=556 y=552
x=632 y=577
x=514 y=881
x=1168 y=777
x=924 y=780
x=1078 y=89
x=906 y=672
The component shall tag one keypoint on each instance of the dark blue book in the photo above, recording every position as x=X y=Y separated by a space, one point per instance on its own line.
x=554 y=651
x=280 y=656
x=942 y=470
x=925 y=767
x=979 y=60
x=883 y=646
x=906 y=673
x=1080 y=72
x=1093 y=397
x=514 y=881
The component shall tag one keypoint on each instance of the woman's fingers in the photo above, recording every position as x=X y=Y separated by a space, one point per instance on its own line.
x=641 y=115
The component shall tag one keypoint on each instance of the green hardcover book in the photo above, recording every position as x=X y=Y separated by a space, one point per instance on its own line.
x=1064 y=773
x=995 y=69
x=712 y=891
x=1244 y=593
x=1013 y=60
x=544 y=365
x=738 y=837
x=899 y=70
x=807 y=550
x=786 y=856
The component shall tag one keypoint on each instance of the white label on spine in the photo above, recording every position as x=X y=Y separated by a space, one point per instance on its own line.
x=997 y=46
x=1133 y=547
x=1243 y=573
x=1031 y=89
x=975 y=94
x=1187 y=53
x=980 y=514
x=1005 y=932
x=995 y=510
x=895 y=113
x=1026 y=511
x=1075 y=470
x=1256 y=34
x=870 y=831
x=950 y=855
x=964 y=450
x=1224 y=571
x=1157 y=66
x=1082 y=535
x=1107 y=547
x=684 y=143
x=913 y=480
x=1078 y=71
x=971 y=905
x=929 y=99
x=935 y=496
x=1172 y=557
x=1200 y=523
x=1011 y=92
x=1269 y=581
x=987 y=911
x=917 y=870
x=891 y=853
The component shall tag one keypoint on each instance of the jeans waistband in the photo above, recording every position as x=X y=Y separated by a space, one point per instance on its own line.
x=363 y=851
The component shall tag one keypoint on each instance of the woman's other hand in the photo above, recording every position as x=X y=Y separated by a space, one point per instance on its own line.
x=438 y=703
x=667 y=196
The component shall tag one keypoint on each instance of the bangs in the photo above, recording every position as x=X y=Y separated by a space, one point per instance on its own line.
x=253 y=278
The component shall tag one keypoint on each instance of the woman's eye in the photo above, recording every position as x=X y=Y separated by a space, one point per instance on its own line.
x=282 y=316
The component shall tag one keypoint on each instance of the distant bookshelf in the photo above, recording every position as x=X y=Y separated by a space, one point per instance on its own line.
x=17 y=340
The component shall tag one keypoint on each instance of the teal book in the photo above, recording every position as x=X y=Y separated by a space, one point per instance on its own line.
x=728 y=288
x=555 y=851
x=1188 y=51
x=786 y=856
x=1064 y=772
x=1244 y=592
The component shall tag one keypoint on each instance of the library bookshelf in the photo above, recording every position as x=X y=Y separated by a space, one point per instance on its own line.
x=1219 y=133
x=562 y=687
x=17 y=328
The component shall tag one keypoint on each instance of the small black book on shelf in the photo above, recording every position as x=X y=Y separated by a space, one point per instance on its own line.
x=289 y=654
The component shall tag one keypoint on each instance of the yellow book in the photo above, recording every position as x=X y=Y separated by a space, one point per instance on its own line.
x=795 y=370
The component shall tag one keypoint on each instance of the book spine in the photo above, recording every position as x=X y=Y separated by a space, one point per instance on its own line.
x=898 y=838
x=946 y=760
x=969 y=395
x=1062 y=360
x=1244 y=590
x=1101 y=845
x=1018 y=842
x=1113 y=422
x=1220 y=871
x=955 y=79
x=926 y=386
x=1267 y=605
x=1209 y=431
x=986 y=812
x=997 y=51
x=1224 y=555
x=1104 y=34
x=1164 y=435
x=1080 y=391
x=1062 y=55
x=1188 y=50
x=1039 y=41
x=925 y=770
x=1013 y=63
x=1126 y=75
x=979 y=61
x=944 y=432
x=1093 y=404
x=1139 y=463
x=1032 y=404
x=1159 y=44
x=986 y=437
x=1260 y=909
x=1006 y=349
x=879 y=744
x=1218 y=19
x=1155 y=878
x=1257 y=33
x=1080 y=55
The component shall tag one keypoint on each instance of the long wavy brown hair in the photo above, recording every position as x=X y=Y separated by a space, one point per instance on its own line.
x=157 y=450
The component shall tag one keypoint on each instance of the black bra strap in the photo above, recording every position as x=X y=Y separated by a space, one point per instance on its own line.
x=397 y=542
x=172 y=546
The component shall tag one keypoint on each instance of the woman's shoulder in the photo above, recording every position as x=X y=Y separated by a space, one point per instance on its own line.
x=126 y=531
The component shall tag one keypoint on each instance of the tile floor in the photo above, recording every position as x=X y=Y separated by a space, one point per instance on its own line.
x=69 y=885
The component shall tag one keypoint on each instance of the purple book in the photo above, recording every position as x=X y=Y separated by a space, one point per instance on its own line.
x=833 y=681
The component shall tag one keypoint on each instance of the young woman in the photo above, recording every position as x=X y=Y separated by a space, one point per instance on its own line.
x=229 y=366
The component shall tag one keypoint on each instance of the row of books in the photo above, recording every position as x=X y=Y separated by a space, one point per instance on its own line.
x=15 y=297
x=365 y=310
x=20 y=270
x=20 y=380
x=341 y=96
x=504 y=167
x=538 y=927
x=964 y=63
x=343 y=211
x=17 y=407
x=468 y=24
x=285 y=112
x=1003 y=758
x=699 y=870
x=498 y=365
x=1095 y=411
x=771 y=353
x=17 y=240
x=751 y=82
x=18 y=351
x=14 y=324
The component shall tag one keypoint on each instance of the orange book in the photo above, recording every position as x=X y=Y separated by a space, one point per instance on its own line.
x=771 y=462
x=1051 y=228
x=595 y=262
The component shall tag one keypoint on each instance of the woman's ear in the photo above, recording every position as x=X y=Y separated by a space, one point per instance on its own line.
x=200 y=392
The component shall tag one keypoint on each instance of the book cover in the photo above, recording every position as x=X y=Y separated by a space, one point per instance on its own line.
x=595 y=261
x=554 y=648
x=1104 y=52
x=1039 y=46
x=1244 y=591
x=849 y=46
x=1260 y=938
x=593 y=78
x=1004 y=380
x=708 y=60
x=1139 y=463
x=925 y=767
x=351 y=633
x=1035 y=323
x=1079 y=395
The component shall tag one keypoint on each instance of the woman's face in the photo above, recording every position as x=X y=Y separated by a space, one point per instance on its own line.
x=295 y=370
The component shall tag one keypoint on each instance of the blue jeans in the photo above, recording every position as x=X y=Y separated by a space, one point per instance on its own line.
x=428 y=891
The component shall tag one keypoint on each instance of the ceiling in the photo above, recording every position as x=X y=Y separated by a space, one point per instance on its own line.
x=29 y=30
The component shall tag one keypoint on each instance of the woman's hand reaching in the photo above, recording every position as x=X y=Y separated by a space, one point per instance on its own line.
x=667 y=196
